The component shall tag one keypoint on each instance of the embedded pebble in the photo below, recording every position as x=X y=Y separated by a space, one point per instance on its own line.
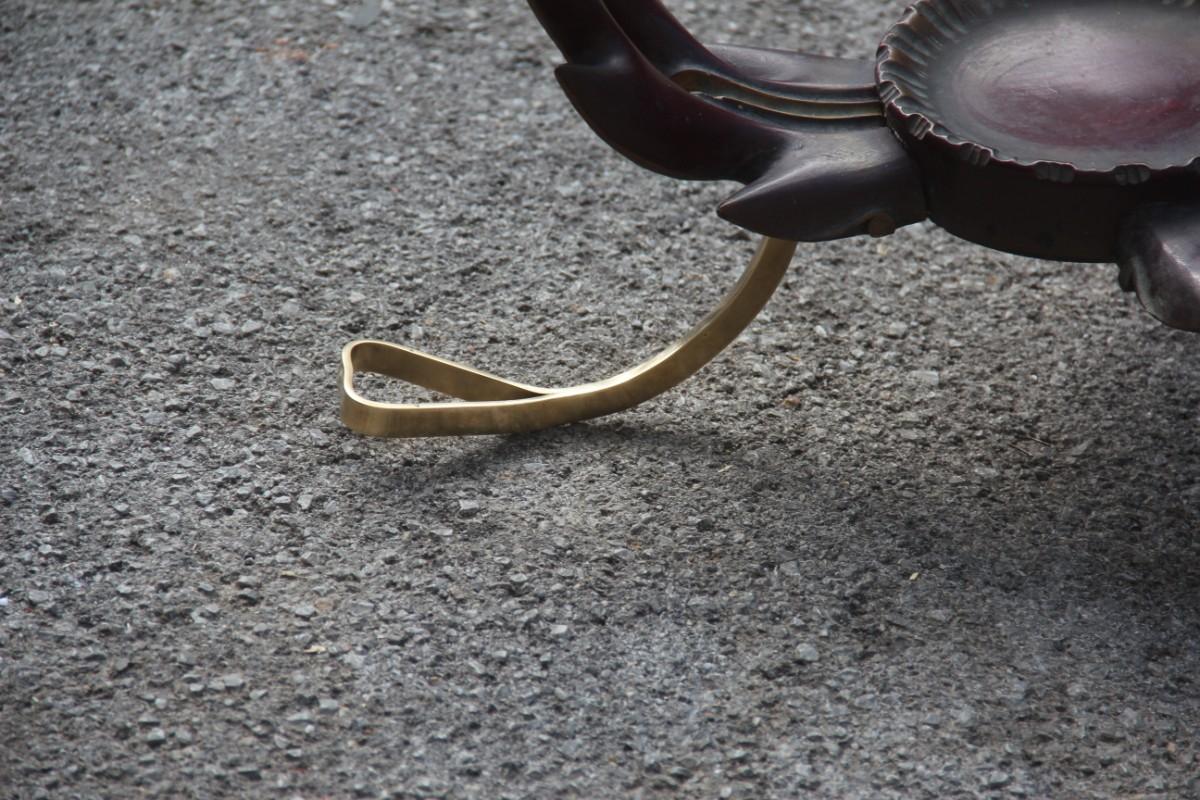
x=807 y=654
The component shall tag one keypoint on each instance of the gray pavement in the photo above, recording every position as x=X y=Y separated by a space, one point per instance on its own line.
x=929 y=529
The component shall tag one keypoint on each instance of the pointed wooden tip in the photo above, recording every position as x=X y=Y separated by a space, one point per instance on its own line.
x=852 y=184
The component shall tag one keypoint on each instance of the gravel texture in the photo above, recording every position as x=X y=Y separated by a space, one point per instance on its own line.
x=928 y=530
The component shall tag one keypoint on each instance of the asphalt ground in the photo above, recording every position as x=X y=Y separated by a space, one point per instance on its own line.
x=929 y=529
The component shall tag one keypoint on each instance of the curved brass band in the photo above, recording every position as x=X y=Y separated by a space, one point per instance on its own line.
x=495 y=405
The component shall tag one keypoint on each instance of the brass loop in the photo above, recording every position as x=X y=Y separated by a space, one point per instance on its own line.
x=494 y=405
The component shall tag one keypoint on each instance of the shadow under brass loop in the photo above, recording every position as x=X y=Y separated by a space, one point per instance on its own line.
x=494 y=405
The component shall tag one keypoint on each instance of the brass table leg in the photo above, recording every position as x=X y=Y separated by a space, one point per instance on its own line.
x=495 y=405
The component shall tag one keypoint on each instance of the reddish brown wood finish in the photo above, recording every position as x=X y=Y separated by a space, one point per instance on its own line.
x=1041 y=126
x=1160 y=260
x=805 y=133
x=1061 y=129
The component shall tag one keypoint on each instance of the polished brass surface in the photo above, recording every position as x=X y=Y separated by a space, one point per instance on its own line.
x=494 y=405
